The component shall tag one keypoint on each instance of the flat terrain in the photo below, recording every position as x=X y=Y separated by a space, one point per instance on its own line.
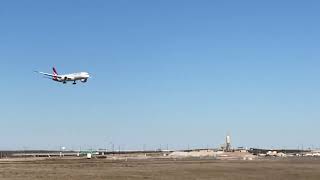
x=80 y=169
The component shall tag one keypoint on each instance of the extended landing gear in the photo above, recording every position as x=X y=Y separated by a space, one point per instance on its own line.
x=65 y=80
x=74 y=83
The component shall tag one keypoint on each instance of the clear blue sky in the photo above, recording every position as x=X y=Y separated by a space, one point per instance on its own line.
x=164 y=72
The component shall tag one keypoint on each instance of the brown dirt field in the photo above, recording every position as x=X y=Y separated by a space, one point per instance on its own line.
x=83 y=169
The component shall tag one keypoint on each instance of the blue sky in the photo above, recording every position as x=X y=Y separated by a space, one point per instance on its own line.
x=164 y=72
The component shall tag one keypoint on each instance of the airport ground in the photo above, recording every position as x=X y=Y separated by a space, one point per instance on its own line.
x=98 y=169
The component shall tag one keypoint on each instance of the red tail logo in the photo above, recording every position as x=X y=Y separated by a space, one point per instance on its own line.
x=54 y=71
x=55 y=74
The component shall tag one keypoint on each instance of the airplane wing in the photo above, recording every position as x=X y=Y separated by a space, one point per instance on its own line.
x=46 y=74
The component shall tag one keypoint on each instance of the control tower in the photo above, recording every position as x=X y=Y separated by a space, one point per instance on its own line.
x=228 y=143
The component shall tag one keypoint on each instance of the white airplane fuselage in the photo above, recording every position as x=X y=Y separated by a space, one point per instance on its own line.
x=81 y=76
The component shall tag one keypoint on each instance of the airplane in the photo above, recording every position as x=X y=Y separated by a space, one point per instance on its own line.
x=81 y=76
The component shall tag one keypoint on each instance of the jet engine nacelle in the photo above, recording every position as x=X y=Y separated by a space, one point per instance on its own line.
x=84 y=80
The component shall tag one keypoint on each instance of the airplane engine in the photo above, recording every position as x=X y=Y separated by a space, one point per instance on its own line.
x=65 y=80
x=84 y=80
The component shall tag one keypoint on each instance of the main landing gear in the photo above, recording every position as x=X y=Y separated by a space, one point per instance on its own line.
x=65 y=80
x=74 y=82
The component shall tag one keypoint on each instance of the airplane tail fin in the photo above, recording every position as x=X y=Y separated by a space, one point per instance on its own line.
x=55 y=71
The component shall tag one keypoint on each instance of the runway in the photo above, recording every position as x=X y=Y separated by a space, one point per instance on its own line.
x=101 y=169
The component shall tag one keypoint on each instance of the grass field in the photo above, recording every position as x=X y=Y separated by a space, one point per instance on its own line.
x=83 y=169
